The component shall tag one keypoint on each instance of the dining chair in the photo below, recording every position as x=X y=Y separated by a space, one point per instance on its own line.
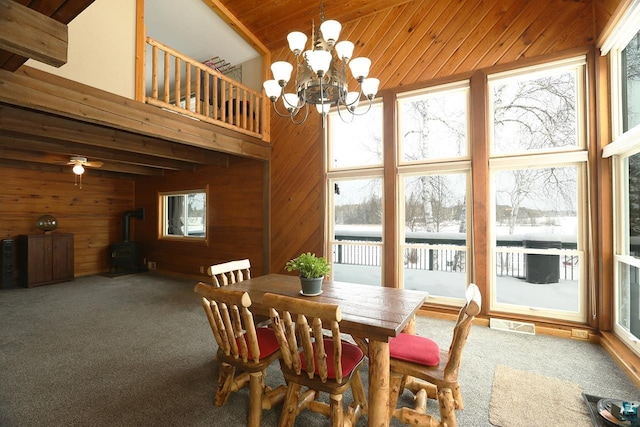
x=230 y=272
x=241 y=346
x=418 y=364
x=317 y=362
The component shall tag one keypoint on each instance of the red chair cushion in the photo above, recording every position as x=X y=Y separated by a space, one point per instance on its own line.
x=416 y=349
x=267 y=342
x=351 y=356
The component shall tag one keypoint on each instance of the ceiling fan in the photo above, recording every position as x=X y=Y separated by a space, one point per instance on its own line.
x=79 y=163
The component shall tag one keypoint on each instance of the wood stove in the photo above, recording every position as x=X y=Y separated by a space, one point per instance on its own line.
x=124 y=255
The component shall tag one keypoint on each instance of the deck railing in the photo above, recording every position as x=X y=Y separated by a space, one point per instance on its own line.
x=357 y=248
x=185 y=86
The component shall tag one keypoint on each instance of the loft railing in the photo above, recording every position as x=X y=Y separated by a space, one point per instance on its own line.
x=185 y=86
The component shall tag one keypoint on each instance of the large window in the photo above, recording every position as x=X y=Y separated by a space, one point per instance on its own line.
x=355 y=197
x=184 y=214
x=434 y=175
x=625 y=150
x=538 y=170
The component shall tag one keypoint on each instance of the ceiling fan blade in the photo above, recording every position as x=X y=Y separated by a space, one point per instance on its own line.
x=93 y=164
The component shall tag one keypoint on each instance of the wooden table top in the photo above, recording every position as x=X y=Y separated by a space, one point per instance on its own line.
x=368 y=311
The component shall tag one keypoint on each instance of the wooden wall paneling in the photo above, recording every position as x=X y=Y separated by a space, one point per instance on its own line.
x=92 y=214
x=235 y=215
x=469 y=46
x=535 y=33
x=403 y=20
x=531 y=12
x=452 y=39
x=423 y=39
x=579 y=32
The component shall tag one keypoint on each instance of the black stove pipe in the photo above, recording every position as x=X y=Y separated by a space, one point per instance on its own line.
x=138 y=213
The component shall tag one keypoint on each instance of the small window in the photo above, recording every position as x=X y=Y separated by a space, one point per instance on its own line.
x=184 y=214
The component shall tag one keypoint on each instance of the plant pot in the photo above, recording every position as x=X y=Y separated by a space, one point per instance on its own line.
x=311 y=287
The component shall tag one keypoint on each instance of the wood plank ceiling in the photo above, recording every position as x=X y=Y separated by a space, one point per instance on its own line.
x=416 y=41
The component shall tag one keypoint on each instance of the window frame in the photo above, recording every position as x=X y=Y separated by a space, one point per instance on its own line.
x=163 y=198
x=573 y=155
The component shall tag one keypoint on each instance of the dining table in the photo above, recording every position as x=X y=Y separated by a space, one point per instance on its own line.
x=372 y=313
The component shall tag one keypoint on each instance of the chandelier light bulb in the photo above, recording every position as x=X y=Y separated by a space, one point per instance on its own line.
x=323 y=108
x=78 y=169
x=344 y=50
x=297 y=42
x=370 y=87
x=291 y=101
x=281 y=72
x=272 y=89
x=330 y=31
x=360 y=68
x=352 y=100
x=319 y=61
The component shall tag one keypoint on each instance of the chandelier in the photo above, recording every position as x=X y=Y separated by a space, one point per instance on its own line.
x=321 y=75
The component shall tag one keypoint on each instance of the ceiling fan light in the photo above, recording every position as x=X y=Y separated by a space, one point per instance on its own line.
x=360 y=67
x=78 y=169
x=297 y=41
x=281 y=72
x=330 y=31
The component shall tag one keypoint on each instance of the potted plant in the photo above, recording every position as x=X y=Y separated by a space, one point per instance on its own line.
x=312 y=270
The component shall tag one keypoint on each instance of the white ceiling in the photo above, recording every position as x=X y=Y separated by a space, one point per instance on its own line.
x=192 y=28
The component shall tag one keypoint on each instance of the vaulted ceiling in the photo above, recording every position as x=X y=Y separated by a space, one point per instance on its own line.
x=270 y=22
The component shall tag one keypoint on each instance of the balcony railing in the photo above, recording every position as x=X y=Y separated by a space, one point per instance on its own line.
x=185 y=86
x=358 y=248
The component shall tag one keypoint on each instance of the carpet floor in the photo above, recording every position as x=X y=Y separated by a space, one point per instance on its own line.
x=137 y=350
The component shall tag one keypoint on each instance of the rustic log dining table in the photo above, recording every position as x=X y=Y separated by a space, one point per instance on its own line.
x=371 y=312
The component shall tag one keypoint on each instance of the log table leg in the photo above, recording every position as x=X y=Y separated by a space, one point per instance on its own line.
x=378 y=383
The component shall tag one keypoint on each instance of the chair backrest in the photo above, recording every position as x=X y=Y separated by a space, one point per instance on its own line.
x=293 y=319
x=469 y=310
x=230 y=272
x=231 y=321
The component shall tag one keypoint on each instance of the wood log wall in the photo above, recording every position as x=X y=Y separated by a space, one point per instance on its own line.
x=234 y=218
x=413 y=43
x=93 y=214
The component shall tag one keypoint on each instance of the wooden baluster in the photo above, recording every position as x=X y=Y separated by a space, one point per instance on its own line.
x=154 y=72
x=216 y=100
x=167 y=87
x=187 y=95
x=206 y=101
x=177 y=83
x=198 y=85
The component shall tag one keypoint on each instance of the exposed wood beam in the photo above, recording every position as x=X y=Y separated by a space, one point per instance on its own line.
x=28 y=33
x=51 y=145
x=48 y=158
x=48 y=126
x=34 y=89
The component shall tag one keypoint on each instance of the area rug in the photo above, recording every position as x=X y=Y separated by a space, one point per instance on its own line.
x=522 y=398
